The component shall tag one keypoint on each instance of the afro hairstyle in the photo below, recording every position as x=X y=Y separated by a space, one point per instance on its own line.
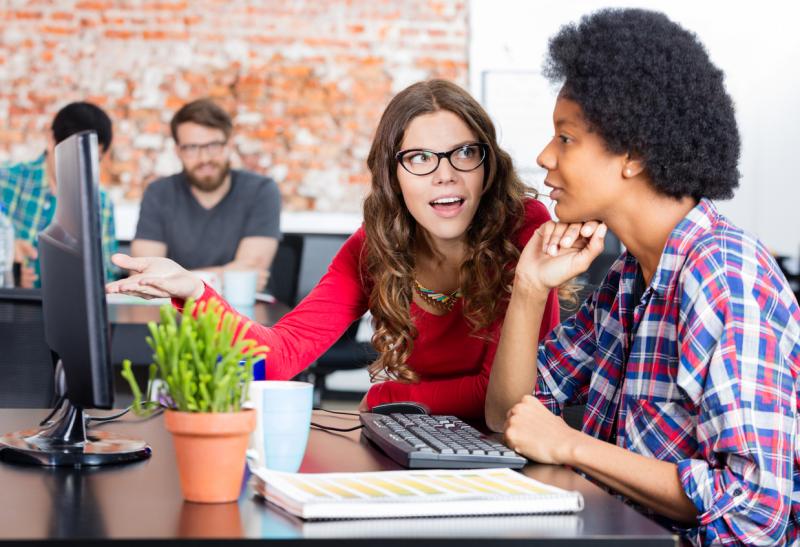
x=647 y=87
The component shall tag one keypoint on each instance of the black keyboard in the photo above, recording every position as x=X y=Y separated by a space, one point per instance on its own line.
x=446 y=442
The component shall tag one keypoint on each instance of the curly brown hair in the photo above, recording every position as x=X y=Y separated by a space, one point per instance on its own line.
x=393 y=235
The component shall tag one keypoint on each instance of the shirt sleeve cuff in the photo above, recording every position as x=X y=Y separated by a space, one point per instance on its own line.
x=542 y=392
x=547 y=390
x=711 y=498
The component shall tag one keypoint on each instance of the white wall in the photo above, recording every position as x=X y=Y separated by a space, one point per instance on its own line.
x=757 y=44
x=126 y=215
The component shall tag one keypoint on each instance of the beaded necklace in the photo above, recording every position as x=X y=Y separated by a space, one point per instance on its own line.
x=437 y=299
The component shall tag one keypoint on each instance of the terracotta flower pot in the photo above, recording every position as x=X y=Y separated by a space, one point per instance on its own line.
x=210 y=448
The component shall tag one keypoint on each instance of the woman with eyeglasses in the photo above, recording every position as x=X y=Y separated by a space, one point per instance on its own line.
x=434 y=262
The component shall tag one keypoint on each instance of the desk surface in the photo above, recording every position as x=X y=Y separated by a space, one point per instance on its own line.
x=143 y=501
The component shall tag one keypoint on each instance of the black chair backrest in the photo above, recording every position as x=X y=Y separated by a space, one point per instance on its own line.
x=26 y=362
x=346 y=354
x=318 y=252
x=285 y=270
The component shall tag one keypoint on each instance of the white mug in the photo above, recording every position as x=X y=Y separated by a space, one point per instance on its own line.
x=283 y=420
x=239 y=287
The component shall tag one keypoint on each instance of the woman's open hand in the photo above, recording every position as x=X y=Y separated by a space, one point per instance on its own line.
x=155 y=277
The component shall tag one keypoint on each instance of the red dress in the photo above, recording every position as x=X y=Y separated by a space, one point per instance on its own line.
x=452 y=365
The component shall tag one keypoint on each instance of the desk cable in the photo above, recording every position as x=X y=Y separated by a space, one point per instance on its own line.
x=119 y=415
x=56 y=407
x=337 y=429
x=60 y=401
x=109 y=418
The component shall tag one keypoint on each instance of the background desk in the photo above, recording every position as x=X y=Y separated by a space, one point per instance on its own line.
x=129 y=327
x=142 y=501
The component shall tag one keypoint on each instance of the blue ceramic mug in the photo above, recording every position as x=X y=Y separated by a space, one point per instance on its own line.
x=283 y=411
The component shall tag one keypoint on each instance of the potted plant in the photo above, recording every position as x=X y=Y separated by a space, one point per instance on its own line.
x=201 y=372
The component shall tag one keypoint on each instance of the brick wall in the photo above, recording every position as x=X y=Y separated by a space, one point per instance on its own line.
x=305 y=80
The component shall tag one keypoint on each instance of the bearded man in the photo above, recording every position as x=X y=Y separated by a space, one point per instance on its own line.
x=209 y=217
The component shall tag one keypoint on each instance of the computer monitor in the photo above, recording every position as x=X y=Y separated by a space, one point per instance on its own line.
x=72 y=277
x=75 y=322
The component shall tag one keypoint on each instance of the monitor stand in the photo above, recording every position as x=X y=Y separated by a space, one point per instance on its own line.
x=66 y=441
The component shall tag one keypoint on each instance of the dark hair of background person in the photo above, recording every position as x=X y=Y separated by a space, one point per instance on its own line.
x=649 y=88
x=394 y=238
x=82 y=116
x=202 y=112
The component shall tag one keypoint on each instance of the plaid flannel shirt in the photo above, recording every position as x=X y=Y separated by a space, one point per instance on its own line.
x=31 y=205
x=701 y=372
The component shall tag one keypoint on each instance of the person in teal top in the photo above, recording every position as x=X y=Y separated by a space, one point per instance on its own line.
x=28 y=191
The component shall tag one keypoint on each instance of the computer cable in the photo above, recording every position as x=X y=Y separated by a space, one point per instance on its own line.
x=108 y=418
x=113 y=417
x=56 y=407
x=336 y=429
x=335 y=411
x=60 y=401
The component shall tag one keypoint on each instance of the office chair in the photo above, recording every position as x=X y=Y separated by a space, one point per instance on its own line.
x=346 y=354
x=284 y=276
x=26 y=363
x=791 y=277
x=300 y=262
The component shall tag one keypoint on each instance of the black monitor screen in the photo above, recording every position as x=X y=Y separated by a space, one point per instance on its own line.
x=72 y=277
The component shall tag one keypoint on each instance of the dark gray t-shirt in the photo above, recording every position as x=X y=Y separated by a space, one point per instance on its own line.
x=197 y=237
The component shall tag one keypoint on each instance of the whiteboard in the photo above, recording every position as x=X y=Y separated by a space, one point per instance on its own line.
x=520 y=103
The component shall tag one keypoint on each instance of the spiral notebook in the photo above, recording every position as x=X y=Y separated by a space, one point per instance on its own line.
x=391 y=494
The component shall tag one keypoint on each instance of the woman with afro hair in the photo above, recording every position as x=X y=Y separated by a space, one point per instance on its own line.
x=687 y=355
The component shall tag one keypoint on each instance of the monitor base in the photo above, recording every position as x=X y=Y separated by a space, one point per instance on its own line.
x=66 y=442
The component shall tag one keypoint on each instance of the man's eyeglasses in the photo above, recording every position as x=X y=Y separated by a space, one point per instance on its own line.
x=466 y=157
x=213 y=148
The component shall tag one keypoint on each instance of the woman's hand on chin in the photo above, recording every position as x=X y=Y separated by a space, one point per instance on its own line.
x=557 y=252
x=155 y=277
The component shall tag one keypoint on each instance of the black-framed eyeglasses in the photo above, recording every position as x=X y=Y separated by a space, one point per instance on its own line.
x=213 y=148
x=420 y=162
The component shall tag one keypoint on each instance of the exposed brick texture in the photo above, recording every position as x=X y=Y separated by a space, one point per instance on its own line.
x=305 y=80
